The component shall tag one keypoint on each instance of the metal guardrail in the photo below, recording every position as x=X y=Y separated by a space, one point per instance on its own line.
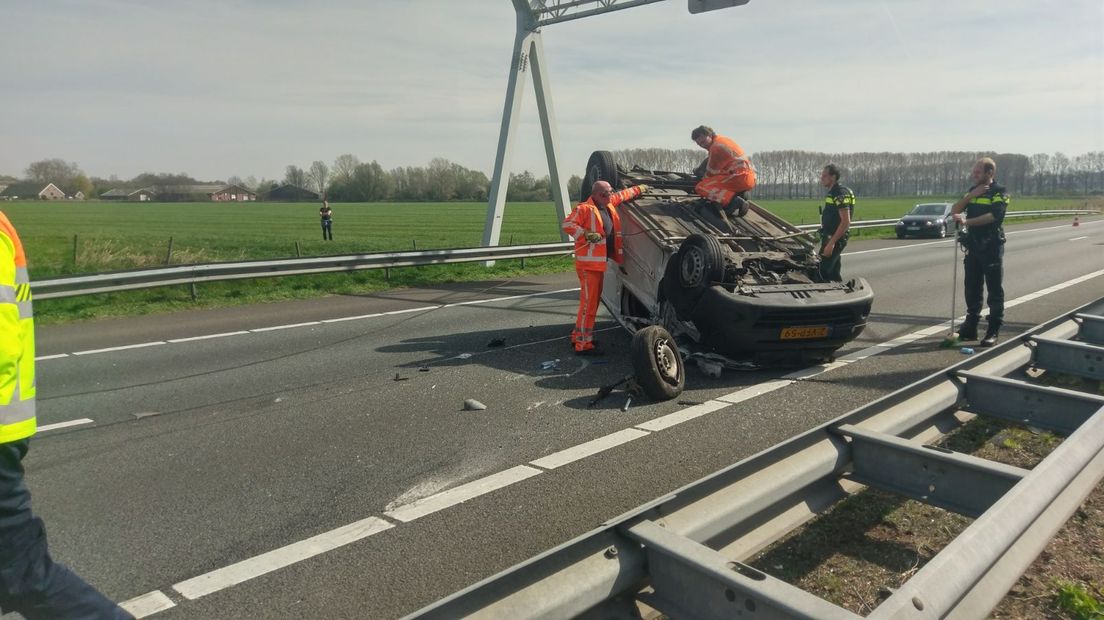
x=682 y=554
x=891 y=222
x=210 y=272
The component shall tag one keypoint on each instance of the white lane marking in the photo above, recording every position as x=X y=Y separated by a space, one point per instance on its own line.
x=279 y=558
x=122 y=348
x=55 y=426
x=592 y=447
x=291 y=326
x=379 y=314
x=148 y=604
x=444 y=499
x=207 y=337
x=682 y=415
x=1079 y=238
x=50 y=357
x=492 y=299
x=753 y=391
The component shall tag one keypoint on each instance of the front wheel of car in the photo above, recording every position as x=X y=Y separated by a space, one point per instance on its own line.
x=900 y=235
x=657 y=365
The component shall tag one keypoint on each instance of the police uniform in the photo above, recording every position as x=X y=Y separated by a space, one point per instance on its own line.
x=984 y=262
x=838 y=198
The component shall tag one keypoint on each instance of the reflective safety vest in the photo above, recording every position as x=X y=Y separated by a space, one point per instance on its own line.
x=17 y=350
x=726 y=157
x=995 y=202
x=587 y=217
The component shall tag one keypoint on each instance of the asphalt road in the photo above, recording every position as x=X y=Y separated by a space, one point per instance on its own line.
x=222 y=438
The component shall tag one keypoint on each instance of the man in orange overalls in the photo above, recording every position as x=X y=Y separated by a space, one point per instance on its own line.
x=728 y=173
x=595 y=226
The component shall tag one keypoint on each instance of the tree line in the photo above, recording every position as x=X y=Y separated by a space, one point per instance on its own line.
x=788 y=174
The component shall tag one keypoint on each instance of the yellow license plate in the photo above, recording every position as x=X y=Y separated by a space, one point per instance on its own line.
x=801 y=333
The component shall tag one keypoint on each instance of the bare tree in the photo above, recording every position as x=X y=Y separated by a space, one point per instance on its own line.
x=57 y=171
x=295 y=176
x=343 y=168
x=319 y=176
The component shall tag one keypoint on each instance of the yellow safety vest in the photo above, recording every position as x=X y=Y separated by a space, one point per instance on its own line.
x=17 y=351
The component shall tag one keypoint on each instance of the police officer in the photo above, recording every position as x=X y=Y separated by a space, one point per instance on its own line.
x=835 y=222
x=984 y=206
x=31 y=583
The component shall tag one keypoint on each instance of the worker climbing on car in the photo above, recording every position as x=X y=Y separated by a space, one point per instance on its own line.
x=727 y=175
x=595 y=226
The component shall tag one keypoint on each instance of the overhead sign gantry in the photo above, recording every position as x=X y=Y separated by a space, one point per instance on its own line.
x=528 y=54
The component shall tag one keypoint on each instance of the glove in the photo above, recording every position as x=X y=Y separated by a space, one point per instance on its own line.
x=593 y=237
x=643 y=188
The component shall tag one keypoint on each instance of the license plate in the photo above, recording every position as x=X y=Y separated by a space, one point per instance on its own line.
x=913 y=227
x=801 y=333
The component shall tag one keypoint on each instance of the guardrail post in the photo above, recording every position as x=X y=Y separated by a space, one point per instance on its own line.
x=387 y=274
x=168 y=255
x=195 y=296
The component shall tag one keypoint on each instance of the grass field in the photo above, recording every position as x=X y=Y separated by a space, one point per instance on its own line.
x=112 y=236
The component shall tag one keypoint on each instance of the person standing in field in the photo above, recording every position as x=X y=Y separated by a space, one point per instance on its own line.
x=727 y=175
x=835 y=223
x=326 y=213
x=31 y=583
x=982 y=211
x=595 y=226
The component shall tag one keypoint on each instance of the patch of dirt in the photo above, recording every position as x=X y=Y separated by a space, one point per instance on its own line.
x=865 y=546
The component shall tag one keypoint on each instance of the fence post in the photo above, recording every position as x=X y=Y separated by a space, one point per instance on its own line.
x=74 y=250
x=168 y=255
x=298 y=254
x=415 y=243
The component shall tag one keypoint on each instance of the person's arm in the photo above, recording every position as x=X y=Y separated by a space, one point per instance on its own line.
x=627 y=194
x=841 y=230
x=11 y=331
x=960 y=206
x=571 y=225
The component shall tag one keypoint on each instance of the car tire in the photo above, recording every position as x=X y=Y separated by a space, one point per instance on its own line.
x=900 y=235
x=700 y=261
x=600 y=167
x=657 y=365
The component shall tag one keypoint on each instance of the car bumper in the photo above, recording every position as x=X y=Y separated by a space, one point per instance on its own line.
x=802 y=321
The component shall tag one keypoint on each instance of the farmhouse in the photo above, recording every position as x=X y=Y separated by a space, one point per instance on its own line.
x=291 y=193
x=32 y=191
x=216 y=192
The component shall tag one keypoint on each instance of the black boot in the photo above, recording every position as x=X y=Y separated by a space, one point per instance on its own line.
x=968 y=329
x=737 y=207
x=991 y=332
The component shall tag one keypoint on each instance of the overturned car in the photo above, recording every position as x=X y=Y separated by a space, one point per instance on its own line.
x=745 y=290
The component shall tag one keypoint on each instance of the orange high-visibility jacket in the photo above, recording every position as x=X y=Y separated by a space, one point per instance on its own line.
x=17 y=373
x=587 y=218
x=728 y=171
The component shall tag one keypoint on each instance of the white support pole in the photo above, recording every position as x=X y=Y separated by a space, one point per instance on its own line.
x=542 y=86
x=519 y=64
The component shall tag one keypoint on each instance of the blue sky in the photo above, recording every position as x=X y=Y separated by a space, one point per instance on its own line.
x=246 y=87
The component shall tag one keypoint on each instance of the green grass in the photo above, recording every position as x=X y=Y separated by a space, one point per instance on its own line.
x=1079 y=601
x=112 y=236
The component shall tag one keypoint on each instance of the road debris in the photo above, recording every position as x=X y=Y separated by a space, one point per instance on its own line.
x=497 y=342
x=399 y=377
x=551 y=364
x=473 y=405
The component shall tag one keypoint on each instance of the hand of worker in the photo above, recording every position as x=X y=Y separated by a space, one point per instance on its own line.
x=643 y=188
x=593 y=237
x=960 y=218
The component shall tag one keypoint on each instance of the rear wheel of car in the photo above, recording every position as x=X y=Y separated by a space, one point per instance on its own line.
x=700 y=261
x=658 y=366
x=600 y=167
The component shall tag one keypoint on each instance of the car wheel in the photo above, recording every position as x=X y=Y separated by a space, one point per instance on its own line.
x=900 y=235
x=600 y=167
x=700 y=261
x=658 y=366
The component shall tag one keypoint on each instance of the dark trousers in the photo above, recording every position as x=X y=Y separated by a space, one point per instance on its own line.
x=984 y=266
x=830 y=267
x=30 y=581
x=327 y=230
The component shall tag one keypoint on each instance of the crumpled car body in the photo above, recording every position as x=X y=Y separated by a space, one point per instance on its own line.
x=747 y=289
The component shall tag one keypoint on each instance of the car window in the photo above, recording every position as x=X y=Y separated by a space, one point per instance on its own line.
x=927 y=210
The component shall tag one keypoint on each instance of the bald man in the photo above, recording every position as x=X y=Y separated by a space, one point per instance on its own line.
x=595 y=226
